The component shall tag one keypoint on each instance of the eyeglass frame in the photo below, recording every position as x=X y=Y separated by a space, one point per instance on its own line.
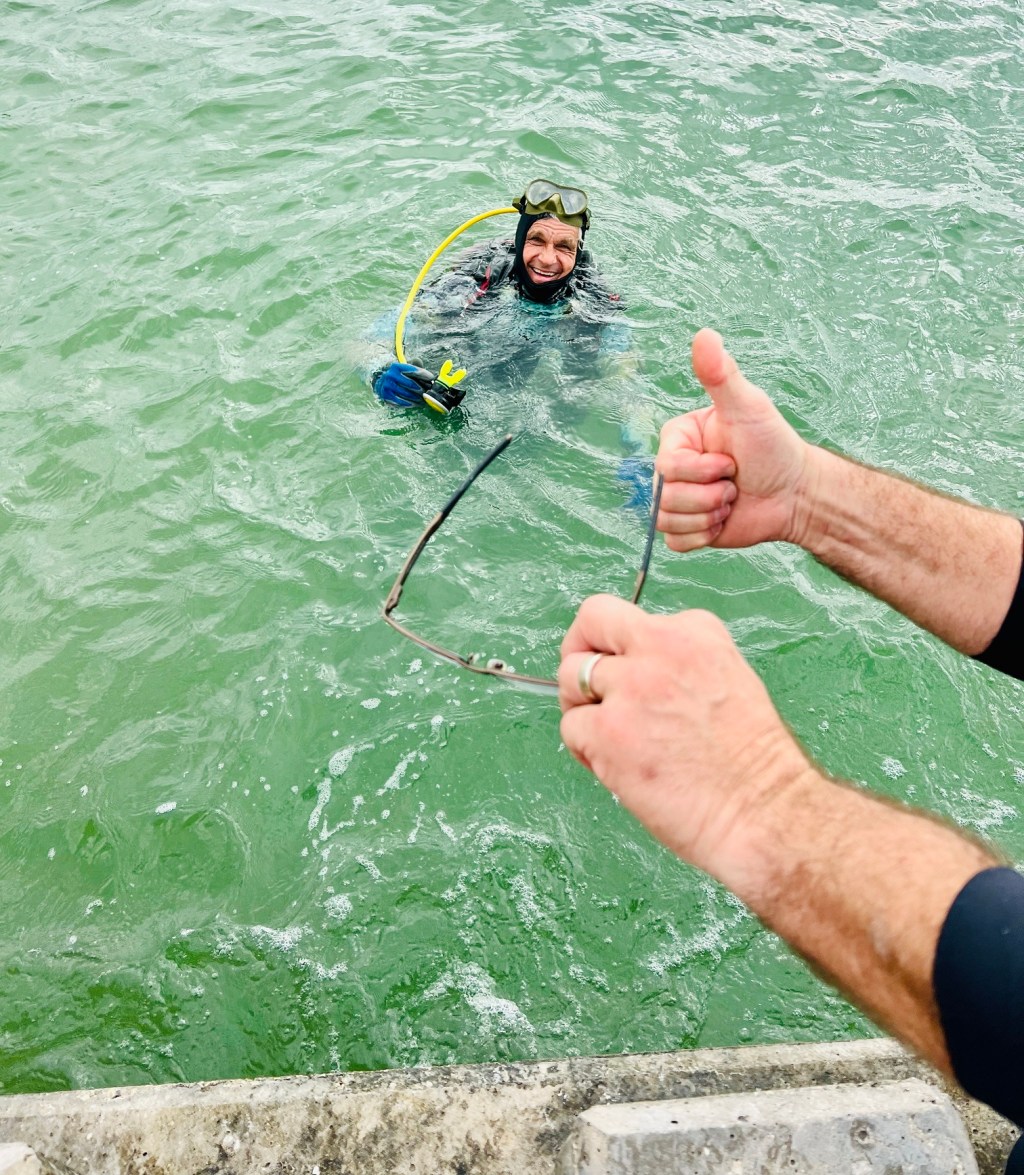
x=494 y=667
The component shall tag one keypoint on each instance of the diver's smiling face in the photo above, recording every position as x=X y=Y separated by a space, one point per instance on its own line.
x=549 y=251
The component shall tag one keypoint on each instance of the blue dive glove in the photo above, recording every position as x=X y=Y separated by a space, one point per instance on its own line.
x=402 y=384
x=638 y=474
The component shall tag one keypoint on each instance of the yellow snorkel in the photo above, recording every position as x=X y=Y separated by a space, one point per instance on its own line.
x=437 y=398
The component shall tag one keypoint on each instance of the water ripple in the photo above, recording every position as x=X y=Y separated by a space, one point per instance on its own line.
x=202 y=506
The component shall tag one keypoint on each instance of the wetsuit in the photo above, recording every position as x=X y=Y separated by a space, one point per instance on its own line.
x=476 y=314
x=978 y=976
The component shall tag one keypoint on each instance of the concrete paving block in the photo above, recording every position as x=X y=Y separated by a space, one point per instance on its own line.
x=18 y=1159
x=890 y=1128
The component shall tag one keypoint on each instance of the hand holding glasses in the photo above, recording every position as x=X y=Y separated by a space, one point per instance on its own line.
x=474 y=662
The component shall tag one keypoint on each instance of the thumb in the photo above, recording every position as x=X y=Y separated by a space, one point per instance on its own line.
x=733 y=395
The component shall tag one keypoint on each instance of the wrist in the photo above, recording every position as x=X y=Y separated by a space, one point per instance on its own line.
x=780 y=781
x=809 y=525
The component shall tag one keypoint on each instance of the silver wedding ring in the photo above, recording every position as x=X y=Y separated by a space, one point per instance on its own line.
x=584 y=675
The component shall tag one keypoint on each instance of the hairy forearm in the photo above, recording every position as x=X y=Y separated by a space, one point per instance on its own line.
x=860 y=887
x=950 y=566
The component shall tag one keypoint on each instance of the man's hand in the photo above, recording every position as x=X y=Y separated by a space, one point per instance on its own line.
x=735 y=472
x=684 y=733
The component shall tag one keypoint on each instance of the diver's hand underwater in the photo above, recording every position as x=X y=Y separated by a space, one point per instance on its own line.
x=638 y=474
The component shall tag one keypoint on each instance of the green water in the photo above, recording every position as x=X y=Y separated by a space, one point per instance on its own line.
x=245 y=829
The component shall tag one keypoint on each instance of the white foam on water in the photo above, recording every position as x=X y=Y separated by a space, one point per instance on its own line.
x=322 y=972
x=370 y=703
x=893 y=767
x=411 y=838
x=337 y=766
x=340 y=760
x=163 y=809
x=395 y=779
x=477 y=988
x=525 y=900
x=985 y=813
x=590 y=976
x=370 y=868
x=323 y=796
x=326 y=833
x=283 y=940
x=339 y=906
x=711 y=939
x=490 y=834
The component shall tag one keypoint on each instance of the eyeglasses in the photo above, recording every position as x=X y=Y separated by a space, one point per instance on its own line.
x=568 y=204
x=476 y=662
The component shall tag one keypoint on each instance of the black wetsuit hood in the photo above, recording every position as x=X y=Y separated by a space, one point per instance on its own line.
x=545 y=292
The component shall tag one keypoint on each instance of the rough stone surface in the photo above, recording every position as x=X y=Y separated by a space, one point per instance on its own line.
x=18 y=1159
x=907 y=1127
x=500 y=1119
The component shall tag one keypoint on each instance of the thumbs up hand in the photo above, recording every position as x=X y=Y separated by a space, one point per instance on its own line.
x=736 y=473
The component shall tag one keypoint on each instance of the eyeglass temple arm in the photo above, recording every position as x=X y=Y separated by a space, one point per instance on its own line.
x=652 y=530
x=396 y=591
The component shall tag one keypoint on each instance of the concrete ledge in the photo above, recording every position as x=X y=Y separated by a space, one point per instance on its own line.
x=466 y=1120
x=904 y=1126
x=17 y=1159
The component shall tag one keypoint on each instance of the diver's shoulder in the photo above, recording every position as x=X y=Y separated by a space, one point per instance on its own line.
x=478 y=259
x=473 y=273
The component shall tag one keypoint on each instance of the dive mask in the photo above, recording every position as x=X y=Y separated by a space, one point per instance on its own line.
x=542 y=197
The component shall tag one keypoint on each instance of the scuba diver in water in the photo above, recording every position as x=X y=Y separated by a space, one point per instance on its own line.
x=506 y=302
x=503 y=307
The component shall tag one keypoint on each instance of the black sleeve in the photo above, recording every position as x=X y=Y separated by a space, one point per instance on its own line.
x=1004 y=651
x=979 y=988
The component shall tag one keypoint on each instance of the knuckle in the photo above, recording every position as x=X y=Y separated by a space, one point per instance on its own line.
x=595 y=604
x=671 y=464
x=704 y=630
